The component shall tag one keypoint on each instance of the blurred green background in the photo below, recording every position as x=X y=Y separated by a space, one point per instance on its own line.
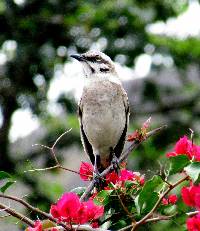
x=155 y=43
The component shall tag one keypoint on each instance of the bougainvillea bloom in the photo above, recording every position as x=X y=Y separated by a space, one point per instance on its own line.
x=165 y=201
x=185 y=147
x=172 y=199
x=86 y=171
x=93 y=211
x=69 y=208
x=37 y=226
x=95 y=225
x=124 y=175
x=112 y=177
x=191 y=195
x=193 y=223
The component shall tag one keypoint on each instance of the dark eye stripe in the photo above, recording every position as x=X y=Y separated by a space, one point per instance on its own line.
x=104 y=69
x=91 y=59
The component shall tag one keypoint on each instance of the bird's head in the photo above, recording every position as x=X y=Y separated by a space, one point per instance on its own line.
x=95 y=62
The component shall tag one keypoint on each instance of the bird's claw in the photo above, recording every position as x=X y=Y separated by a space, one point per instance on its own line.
x=98 y=180
x=115 y=163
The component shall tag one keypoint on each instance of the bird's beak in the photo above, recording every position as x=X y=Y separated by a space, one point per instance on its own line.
x=78 y=57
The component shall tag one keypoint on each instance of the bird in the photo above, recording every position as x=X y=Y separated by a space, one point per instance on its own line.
x=103 y=110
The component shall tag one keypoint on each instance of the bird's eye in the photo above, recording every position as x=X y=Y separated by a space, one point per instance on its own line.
x=98 y=59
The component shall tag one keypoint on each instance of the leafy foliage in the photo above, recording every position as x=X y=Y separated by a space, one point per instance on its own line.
x=7 y=180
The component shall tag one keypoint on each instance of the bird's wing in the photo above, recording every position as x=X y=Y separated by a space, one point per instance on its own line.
x=86 y=144
x=120 y=145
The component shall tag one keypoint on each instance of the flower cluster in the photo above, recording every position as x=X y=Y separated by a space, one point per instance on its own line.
x=185 y=147
x=86 y=171
x=124 y=175
x=172 y=199
x=140 y=134
x=37 y=226
x=71 y=210
x=193 y=223
x=191 y=197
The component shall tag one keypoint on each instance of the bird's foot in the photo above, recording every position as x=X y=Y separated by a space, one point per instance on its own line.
x=115 y=163
x=98 y=180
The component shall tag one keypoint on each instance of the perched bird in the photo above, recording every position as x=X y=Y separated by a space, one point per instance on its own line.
x=103 y=110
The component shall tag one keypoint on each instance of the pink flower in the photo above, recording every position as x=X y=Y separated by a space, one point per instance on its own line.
x=112 y=177
x=142 y=180
x=185 y=147
x=54 y=211
x=95 y=225
x=172 y=199
x=171 y=154
x=193 y=223
x=126 y=175
x=93 y=211
x=37 y=226
x=165 y=201
x=191 y=196
x=82 y=215
x=67 y=207
x=86 y=171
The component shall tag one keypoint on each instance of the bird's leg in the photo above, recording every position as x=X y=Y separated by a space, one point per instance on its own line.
x=98 y=181
x=114 y=160
x=97 y=163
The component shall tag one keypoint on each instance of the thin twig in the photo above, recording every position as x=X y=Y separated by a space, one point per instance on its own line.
x=58 y=165
x=2 y=217
x=32 y=208
x=124 y=207
x=16 y=214
x=125 y=228
x=123 y=157
x=190 y=214
x=160 y=218
x=154 y=219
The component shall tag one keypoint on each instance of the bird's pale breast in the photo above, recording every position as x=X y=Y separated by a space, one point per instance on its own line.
x=103 y=115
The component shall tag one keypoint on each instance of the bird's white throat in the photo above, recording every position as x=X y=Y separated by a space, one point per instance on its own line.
x=102 y=77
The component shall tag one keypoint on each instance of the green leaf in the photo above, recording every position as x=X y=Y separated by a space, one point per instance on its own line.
x=6 y=186
x=149 y=195
x=4 y=175
x=170 y=210
x=102 y=198
x=128 y=184
x=177 y=163
x=193 y=170
x=7 y=178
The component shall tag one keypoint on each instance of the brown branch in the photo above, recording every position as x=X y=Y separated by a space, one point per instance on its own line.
x=160 y=218
x=133 y=145
x=32 y=208
x=16 y=214
x=154 y=219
